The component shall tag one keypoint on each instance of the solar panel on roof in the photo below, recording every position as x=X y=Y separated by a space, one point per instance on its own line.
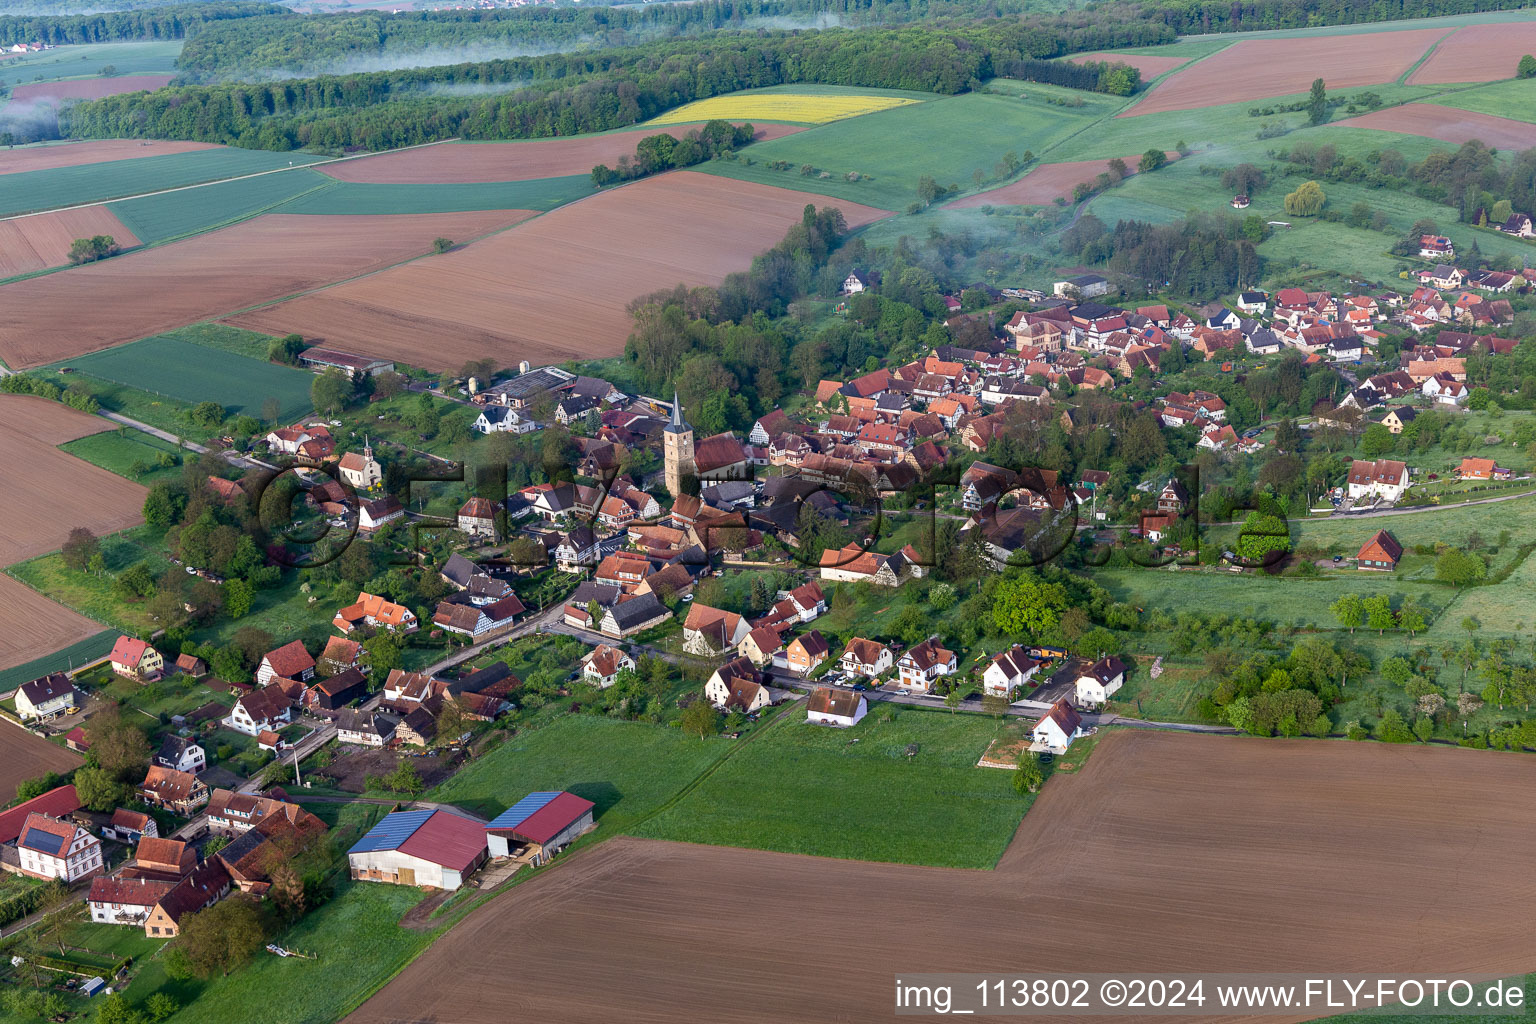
x=45 y=842
x=522 y=810
x=391 y=832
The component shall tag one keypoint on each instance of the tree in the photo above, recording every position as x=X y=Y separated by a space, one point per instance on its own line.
x=1030 y=776
x=701 y=719
x=80 y=547
x=1151 y=160
x=1459 y=568
x=1378 y=613
x=1264 y=539
x=163 y=506
x=1027 y=605
x=383 y=657
x=1306 y=201
x=1411 y=617
x=117 y=746
x=239 y=596
x=160 y=1007
x=330 y=391
x=1349 y=610
x=442 y=244
x=1317 y=106
x=98 y=790
x=1377 y=441
x=89 y=250
x=404 y=778
x=271 y=408
x=220 y=938
x=134 y=584
x=285 y=350
x=1526 y=68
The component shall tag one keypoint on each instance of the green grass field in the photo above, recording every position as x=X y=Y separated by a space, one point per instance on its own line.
x=346 y=197
x=224 y=338
x=172 y=368
x=92 y=595
x=87 y=62
x=1515 y=99
x=896 y=147
x=89 y=183
x=160 y=218
x=121 y=450
x=855 y=793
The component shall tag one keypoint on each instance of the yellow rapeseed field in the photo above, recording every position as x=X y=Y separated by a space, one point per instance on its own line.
x=779 y=106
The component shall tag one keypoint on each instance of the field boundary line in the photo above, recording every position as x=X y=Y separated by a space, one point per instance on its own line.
x=1133 y=102
x=1424 y=57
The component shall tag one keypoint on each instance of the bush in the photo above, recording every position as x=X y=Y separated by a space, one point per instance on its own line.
x=1356 y=731
x=1392 y=728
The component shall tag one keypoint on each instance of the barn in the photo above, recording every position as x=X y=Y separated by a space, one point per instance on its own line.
x=429 y=848
x=544 y=822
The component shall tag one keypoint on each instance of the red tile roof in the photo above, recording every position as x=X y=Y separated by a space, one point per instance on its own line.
x=290 y=660
x=55 y=803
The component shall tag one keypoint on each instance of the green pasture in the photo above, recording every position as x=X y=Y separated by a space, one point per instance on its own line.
x=91 y=595
x=1333 y=246
x=27 y=191
x=224 y=338
x=158 y=58
x=354 y=198
x=160 y=218
x=165 y=413
x=894 y=148
x=121 y=450
x=860 y=793
x=187 y=372
x=1514 y=99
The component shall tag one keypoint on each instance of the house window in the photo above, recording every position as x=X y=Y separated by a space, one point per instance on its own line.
x=155 y=930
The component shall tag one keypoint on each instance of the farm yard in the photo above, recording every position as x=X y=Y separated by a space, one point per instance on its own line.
x=794 y=104
x=1448 y=125
x=25 y=756
x=1137 y=852
x=30 y=244
x=62 y=316
x=1255 y=69
x=86 y=88
x=1477 y=53
x=73 y=154
x=459 y=162
x=557 y=287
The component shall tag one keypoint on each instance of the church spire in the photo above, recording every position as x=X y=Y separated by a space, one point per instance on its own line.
x=678 y=424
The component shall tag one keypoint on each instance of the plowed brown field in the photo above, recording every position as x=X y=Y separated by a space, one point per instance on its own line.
x=1149 y=66
x=25 y=756
x=35 y=243
x=89 y=308
x=1043 y=184
x=46 y=494
x=452 y=162
x=1256 y=69
x=1169 y=852
x=555 y=288
x=1449 y=125
x=88 y=88
x=1478 y=53
x=73 y=154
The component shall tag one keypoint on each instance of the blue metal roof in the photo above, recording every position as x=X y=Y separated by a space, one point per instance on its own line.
x=393 y=830
x=522 y=810
x=45 y=842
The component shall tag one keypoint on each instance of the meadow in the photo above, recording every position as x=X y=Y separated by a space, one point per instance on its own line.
x=799 y=788
x=797 y=106
x=88 y=60
x=1515 y=98
x=167 y=366
x=161 y=218
x=361 y=198
x=92 y=595
x=120 y=451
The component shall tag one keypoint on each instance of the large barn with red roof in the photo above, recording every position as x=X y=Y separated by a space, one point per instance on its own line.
x=424 y=847
x=542 y=822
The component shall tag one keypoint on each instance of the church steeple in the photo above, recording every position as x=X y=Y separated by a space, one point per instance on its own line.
x=677 y=449
x=678 y=424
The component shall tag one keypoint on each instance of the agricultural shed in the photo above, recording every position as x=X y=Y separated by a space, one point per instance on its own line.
x=424 y=847
x=546 y=821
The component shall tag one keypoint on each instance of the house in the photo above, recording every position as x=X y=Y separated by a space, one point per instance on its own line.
x=260 y=710
x=710 y=631
x=856 y=282
x=1399 y=417
x=52 y=848
x=1445 y=390
x=1083 y=286
x=1099 y=681
x=836 y=707
x=364 y=728
x=1520 y=225
x=290 y=661
x=806 y=652
x=1384 y=478
x=577 y=550
x=625 y=569
x=129 y=827
x=1056 y=731
x=1173 y=498
x=500 y=419
x=339 y=656
x=234 y=814
x=761 y=644
x=602 y=665
x=920 y=666
x=336 y=692
x=125 y=900
x=270 y=741
x=59 y=802
x=575 y=409
x=372 y=611
x=539 y=825
x=865 y=658
x=180 y=792
x=854 y=564
x=181 y=753
x=361 y=472
x=1482 y=469
x=427 y=848
x=477 y=517
x=190 y=665
x=377 y=513
x=1009 y=672
x=167 y=859
x=738 y=685
x=1436 y=247
x=1382 y=552
x=1252 y=302
x=45 y=697
x=136 y=659
x=207 y=884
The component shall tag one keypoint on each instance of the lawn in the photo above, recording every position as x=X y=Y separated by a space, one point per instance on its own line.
x=168 y=367
x=1331 y=246
x=628 y=769
x=224 y=338
x=92 y=595
x=167 y=414
x=857 y=793
x=1171 y=697
x=160 y=218
x=87 y=62
x=1515 y=99
x=355 y=198
x=64 y=186
x=992 y=125
x=128 y=453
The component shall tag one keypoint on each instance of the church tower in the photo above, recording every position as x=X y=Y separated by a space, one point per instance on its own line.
x=677 y=442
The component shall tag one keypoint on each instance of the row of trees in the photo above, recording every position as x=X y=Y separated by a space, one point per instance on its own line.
x=171 y=21
x=662 y=152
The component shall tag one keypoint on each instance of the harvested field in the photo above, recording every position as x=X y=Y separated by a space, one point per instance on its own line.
x=1448 y=124
x=1209 y=853
x=1043 y=184
x=1256 y=69
x=25 y=756
x=73 y=154
x=29 y=244
x=1149 y=66
x=469 y=162
x=555 y=288
x=90 y=308
x=88 y=88
x=1478 y=53
x=30 y=627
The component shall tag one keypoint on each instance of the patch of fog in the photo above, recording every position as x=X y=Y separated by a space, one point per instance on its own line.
x=430 y=57
x=29 y=120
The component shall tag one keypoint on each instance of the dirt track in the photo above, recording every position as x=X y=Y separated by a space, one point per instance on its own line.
x=1043 y=184
x=1478 y=53
x=1448 y=124
x=72 y=154
x=85 y=309
x=511 y=161
x=88 y=88
x=28 y=244
x=1255 y=69
x=555 y=288
x=1168 y=853
x=25 y=756
x=1149 y=66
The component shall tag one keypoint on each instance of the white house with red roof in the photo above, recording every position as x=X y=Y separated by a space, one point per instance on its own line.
x=1054 y=733
x=602 y=666
x=52 y=848
x=1008 y=672
x=136 y=659
x=290 y=661
x=919 y=667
